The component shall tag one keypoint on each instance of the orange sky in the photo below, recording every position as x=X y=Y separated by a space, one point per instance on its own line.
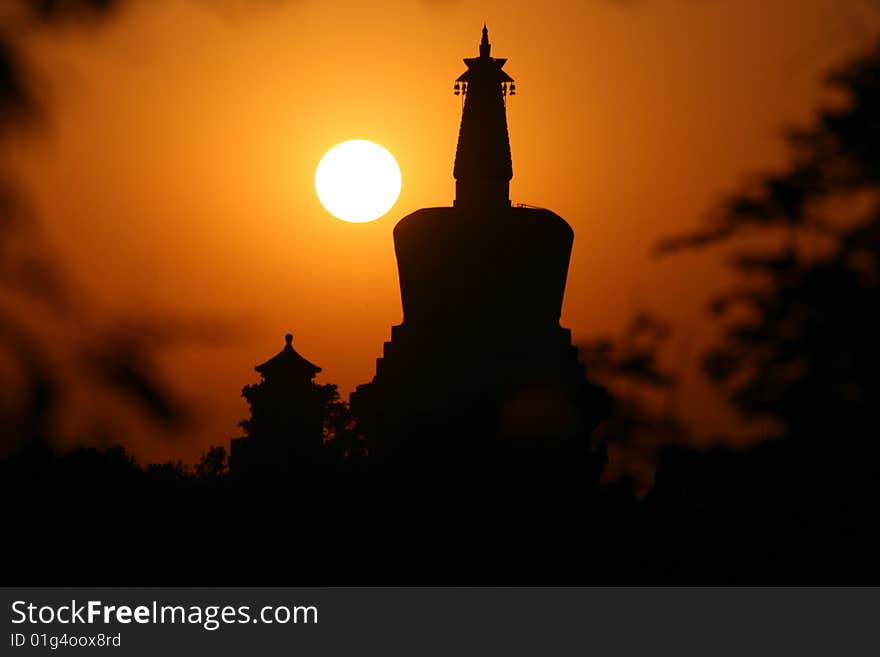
x=177 y=174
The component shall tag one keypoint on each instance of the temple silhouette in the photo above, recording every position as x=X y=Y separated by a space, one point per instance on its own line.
x=480 y=362
x=285 y=429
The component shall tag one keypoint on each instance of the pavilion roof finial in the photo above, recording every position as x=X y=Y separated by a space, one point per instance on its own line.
x=485 y=46
x=288 y=363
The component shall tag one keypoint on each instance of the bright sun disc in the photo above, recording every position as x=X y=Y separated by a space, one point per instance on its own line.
x=357 y=181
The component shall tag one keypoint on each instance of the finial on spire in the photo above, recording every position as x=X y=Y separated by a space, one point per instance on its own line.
x=485 y=46
x=288 y=339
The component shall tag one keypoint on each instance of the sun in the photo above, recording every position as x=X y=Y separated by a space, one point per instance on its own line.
x=357 y=181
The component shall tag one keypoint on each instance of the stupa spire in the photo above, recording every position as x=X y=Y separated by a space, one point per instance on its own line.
x=483 y=167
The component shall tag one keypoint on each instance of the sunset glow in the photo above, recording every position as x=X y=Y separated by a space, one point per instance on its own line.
x=630 y=120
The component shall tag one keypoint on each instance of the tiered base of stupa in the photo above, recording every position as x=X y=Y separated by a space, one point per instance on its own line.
x=449 y=401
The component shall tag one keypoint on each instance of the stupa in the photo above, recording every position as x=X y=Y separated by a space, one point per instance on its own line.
x=480 y=364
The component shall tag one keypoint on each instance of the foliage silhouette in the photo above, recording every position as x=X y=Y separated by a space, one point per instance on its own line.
x=213 y=464
x=799 y=351
x=643 y=422
x=800 y=345
x=107 y=356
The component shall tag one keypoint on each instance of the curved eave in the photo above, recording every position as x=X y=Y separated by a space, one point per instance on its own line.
x=287 y=361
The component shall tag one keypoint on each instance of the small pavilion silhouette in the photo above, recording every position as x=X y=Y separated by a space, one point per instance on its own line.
x=287 y=410
x=480 y=362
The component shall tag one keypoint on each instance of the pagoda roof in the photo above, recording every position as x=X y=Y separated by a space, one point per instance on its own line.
x=288 y=362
